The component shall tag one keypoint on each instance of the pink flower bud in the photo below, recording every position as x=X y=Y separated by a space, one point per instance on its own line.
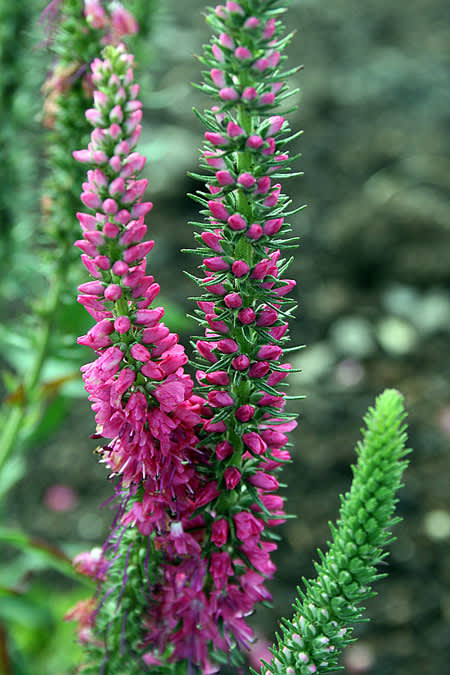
x=246 y=316
x=254 y=232
x=113 y=292
x=276 y=122
x=218 y=53
x=261 y=65
x=288 y=286
x=232 y=477
x=91 y=200
x=205 y=349
x=246 y=180
x=219 y=532
x=215 y=427
x=249 y=94
x=242 y=53
x=213 y=159
x=234 y=8
x=234 y=130
x=269 y=353
x=154 y=334
x=224 y=178
x=122 y=324
x=218 y=210
x=223 y=450
x=267 y=99
x=237 y=222
x=217 y=326
x=227 y=346
x=274 y=59
x=274 y=438
x=226 y=41
x=240 y=268
x=254 y=142
x=245 y=413
x=217 y=77
x=120 y=268
x=219 y=377
x=267 y=317
x=212 y=240
x=251 y=23
x=215 y=138
x=269 y=147
x=233 y=300
x=153 y=370
x=269 y=29
x=216 y=264
x=92 y=288
x=140 y=353
x=254 y=441
x=123 y=22
x=264 y=481
x=241 y=362
x=247 y=526
x=228 y=94
x=277 y=376
x=273 y=226
x=259 y=370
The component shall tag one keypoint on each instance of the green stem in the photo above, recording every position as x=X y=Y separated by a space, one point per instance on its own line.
x=15 y=422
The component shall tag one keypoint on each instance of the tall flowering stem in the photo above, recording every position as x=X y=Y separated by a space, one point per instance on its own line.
x=77 y=30
x=312 y=641
x=245 y=308
x=142 y=399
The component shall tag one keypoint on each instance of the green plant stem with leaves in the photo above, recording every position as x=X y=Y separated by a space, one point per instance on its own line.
x=313 y=639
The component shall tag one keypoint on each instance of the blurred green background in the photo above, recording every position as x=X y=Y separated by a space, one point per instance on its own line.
x=373 y=286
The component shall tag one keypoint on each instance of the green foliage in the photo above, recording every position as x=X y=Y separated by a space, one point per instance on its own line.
x=313 y=639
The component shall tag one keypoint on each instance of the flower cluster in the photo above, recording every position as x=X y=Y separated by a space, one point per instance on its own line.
x=244 y=309
x=203 y=509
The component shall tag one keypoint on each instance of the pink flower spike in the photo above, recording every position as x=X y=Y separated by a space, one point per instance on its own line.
x=232 y=477
x=228 y=94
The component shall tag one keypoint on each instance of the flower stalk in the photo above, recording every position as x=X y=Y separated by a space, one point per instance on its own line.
x=312 y=641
